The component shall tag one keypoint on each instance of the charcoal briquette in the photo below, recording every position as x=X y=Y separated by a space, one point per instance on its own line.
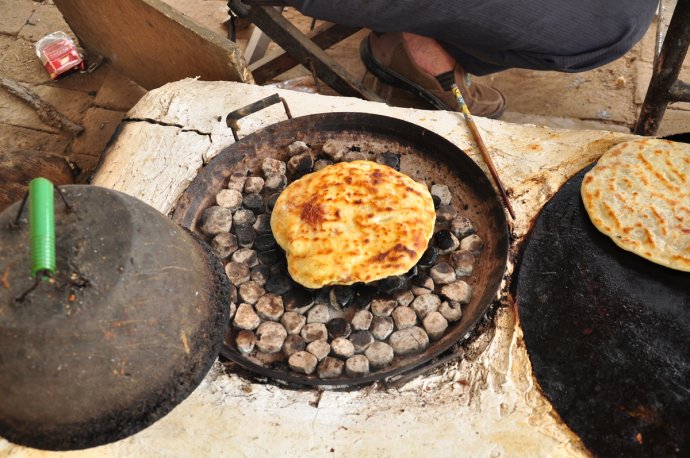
x=322 y=296
x=443 y=192
x=364 y=294
x=245 y=235
x=443 y=273
x=357 y=366
x=262 y=224
x=333 y=150
x=253 y=201
x=271 y=201
x=270 y=257
x=445 y=213
x=435 y=325
x=437 y=201
x=429 y=257
x=392 y=160
x=229 y=198
x=424 y=281
x=319 y=348
x=245 y=341
x=243 y=217
x=341 y=296
x=293 y=321
x=338 y=327
x=294 y=343
x=260 y=274
x=472 y=243
x=361 y=340
x=237 y=272
x=298 y=298
x=253 y=185
x=319 y=313
x=443 y=239
x=321 y=164
x=342 y=348
x=354 y=156
x=270 y=307
x=246 y=318
x=270 y=337
x=381 y=327
x=297 y=147
x=463 y=261
x=215 y=220
x=461 y=227
x=236 y=181
x=265 y=242
x=270 y=166
x=380 y=354
x=330 y=367
x=245 y=256
x=224 y=244
x=278 y=284
x=391 y=284
x=300 y=165
x=275 y=182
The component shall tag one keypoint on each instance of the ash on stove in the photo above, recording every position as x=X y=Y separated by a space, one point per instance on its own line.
x=335 y=331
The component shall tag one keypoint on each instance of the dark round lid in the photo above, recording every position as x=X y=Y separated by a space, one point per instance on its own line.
x=127 y=329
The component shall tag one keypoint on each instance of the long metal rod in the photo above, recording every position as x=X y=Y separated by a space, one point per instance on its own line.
x=482 y=148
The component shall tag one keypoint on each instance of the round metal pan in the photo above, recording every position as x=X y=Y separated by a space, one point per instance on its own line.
x=424 y=155
x=608 y=334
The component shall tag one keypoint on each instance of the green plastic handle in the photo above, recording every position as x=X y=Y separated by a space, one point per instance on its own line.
x=42 y=226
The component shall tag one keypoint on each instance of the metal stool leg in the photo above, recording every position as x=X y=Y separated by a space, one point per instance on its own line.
x=302 y=49
x=665 y=87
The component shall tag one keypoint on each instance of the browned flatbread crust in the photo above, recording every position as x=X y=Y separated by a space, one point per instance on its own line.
x=352 y=222
x=639 y=195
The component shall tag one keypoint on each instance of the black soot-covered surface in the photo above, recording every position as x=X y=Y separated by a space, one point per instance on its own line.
x=608 y=334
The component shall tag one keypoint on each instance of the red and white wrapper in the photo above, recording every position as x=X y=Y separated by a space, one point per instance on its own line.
x=59 y=54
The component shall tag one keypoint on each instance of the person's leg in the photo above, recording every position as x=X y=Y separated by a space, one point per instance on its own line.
x=489 y=35
x=420 y=65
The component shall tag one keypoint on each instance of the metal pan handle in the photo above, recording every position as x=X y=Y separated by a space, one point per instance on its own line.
x=234 y=116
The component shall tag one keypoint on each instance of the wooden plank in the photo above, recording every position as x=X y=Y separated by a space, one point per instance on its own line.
x=288 y=37
x=152 y=43
x=324 y=36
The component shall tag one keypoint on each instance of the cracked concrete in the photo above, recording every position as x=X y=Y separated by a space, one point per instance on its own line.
x=161 y=123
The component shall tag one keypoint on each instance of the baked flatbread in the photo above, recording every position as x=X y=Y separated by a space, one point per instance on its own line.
x=639 y=195
x=352 y=222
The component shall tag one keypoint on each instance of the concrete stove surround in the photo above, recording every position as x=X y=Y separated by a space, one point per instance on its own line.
x=487 y=404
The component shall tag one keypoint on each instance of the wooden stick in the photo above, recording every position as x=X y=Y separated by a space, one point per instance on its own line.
x=45 y=111
x=482 y=148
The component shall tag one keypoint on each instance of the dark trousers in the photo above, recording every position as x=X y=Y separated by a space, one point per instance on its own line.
x=487 y=36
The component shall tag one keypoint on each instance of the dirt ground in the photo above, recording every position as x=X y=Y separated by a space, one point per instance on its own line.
x=606 y=98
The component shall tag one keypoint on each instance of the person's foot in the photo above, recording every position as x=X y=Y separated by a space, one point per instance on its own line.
x=420 y=65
